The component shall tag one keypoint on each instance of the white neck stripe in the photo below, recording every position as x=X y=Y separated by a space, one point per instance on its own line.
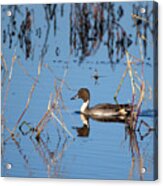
x=84 y=106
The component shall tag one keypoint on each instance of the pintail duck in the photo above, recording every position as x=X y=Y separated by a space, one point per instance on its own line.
x=102 y=111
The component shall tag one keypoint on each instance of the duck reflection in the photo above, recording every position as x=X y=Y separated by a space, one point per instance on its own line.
x=85 y=129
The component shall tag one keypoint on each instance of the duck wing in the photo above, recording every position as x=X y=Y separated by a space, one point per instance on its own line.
x=108 y=106
x=111 y=112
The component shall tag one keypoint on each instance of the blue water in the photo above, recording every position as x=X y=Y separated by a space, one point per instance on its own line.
x=107 y=152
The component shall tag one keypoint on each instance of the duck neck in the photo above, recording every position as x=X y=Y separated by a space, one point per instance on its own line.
x=84 y=106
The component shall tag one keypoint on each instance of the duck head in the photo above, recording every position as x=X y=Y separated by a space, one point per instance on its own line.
x=83 y=94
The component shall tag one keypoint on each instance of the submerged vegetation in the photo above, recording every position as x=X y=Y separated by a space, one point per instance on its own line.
x=91 y=26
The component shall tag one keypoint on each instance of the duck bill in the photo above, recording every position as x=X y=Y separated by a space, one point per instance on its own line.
x=75 y=97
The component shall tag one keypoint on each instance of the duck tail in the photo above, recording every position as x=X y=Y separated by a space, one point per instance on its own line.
x=127 y=109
